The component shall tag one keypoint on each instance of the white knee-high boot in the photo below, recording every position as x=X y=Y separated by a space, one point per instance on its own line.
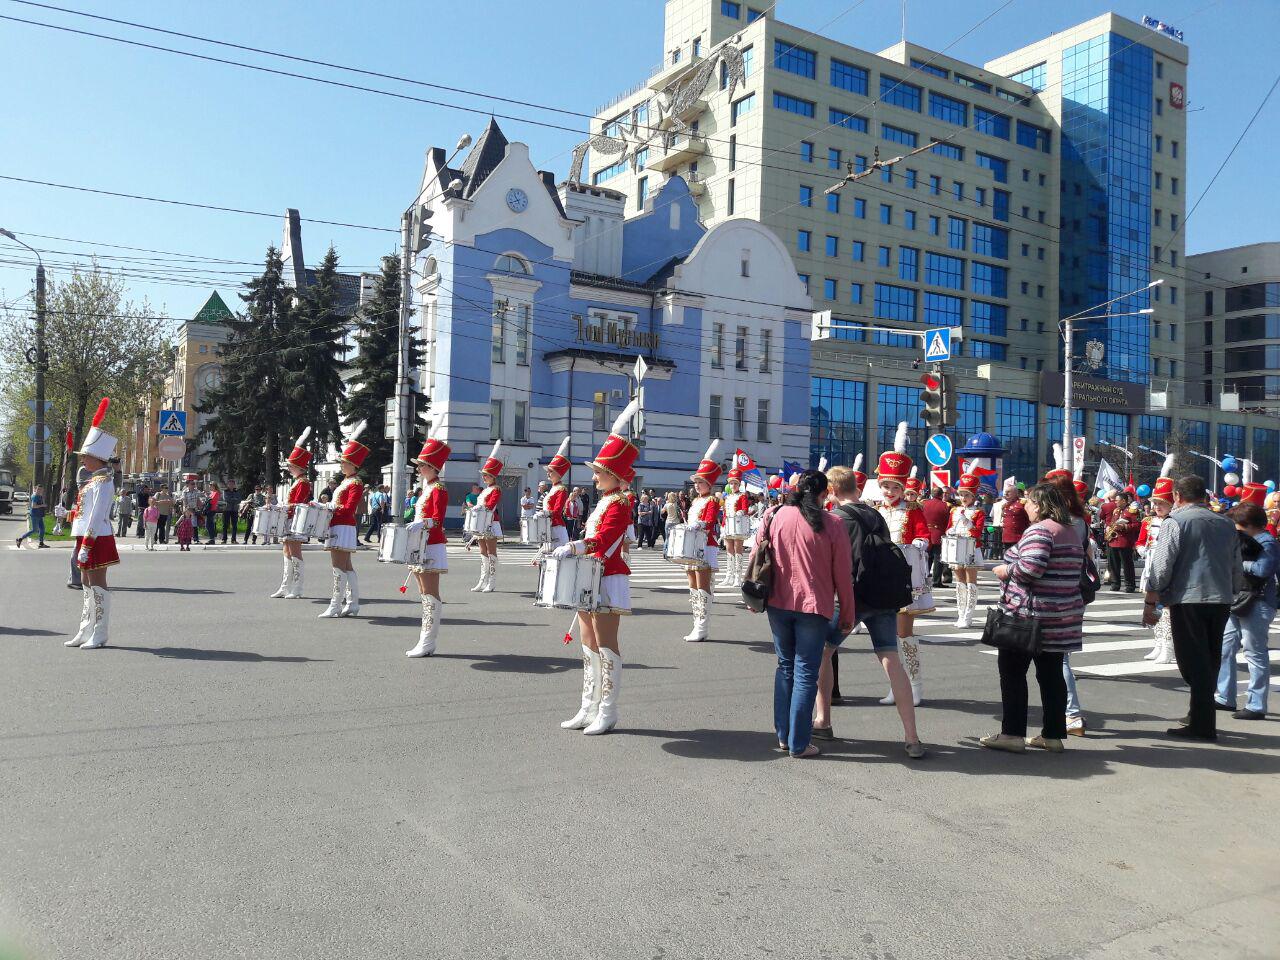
x=591 y=687
x=86 y=618
x=1164 y=634
x=339 y=592
x=962 y=604
x=283 y=589
x=101 y=619
x=351 y=603
x=610 y=683
x=484 y=574
x=295 y=579
x=973 y=602
x=699 y=600
x=911 y=659
x=491 y=574
x=430 y=627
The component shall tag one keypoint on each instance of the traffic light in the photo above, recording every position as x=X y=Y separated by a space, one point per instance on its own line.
x=421 y=234
x=939 y=399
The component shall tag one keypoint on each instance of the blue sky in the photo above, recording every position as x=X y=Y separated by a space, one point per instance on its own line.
x=86 y=111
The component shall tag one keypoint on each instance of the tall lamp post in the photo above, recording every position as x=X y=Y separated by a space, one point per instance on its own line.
x=1067 y=325
x=39 y=358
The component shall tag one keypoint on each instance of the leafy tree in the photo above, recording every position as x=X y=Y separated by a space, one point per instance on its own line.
x=313 y=360
x=373 y=370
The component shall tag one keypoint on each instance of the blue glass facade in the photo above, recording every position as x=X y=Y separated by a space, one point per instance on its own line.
x=1266 y=453
x=893 y=405
x=837 y=420
x=1016 y=427
x=1053 y=429
x=1106 y=198
x=1196 y=435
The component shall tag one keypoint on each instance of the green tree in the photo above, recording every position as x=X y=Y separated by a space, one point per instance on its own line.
x=313 y=360
x=373 y=369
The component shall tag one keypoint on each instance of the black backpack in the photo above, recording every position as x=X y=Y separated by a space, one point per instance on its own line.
x=881 y=574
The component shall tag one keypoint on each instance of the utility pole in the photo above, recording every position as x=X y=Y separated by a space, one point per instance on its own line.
x=42 y=364
x=400 y=454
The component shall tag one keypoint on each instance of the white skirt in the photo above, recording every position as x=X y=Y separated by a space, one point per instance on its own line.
x=615 y=594
x=435 y=559
x=710 y=559
x=495 y=531
x=341 y=538
x=559 y=536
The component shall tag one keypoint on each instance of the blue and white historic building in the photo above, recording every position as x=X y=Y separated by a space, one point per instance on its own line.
x=536 y=300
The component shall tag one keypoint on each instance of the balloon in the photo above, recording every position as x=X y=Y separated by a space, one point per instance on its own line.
x=1144 y=491
x=775 y=482
x=1270 y=485
x=1229 y=491
x=1230 y=465
x=1231 y=477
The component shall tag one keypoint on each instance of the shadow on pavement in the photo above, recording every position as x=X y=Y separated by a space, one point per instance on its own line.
x=228 y=656
x=704 y=744
x=16 y=632
x=526 y=663
x=192 y=591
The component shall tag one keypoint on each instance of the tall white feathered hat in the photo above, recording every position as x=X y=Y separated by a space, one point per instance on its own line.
x=493 y=464
x=560 y=464
x=97 y=442
x=353 y=451
x=618 y=454
x=300 y=456
x=894 y=464
x=709 y=468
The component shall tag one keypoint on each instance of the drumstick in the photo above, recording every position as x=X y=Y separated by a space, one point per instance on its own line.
x=568 y=636
x=405 y=586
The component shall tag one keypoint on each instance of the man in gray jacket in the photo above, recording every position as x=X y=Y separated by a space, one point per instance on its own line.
x=1195 y=570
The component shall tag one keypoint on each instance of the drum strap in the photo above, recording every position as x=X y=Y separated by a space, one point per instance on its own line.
x=616 y=544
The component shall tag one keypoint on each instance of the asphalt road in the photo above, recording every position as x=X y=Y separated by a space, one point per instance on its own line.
x=235 y=778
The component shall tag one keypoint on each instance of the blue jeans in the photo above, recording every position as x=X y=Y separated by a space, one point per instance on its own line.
x=1073 y=698
x=798 y=639
x=1250 y=631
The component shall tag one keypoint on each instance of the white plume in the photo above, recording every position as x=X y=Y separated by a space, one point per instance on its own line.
x=629 y=411
x=302 y=437
x=359 y=429
x=1166 y=469
x=712 y=450
x=1058 y=462
x=497 y=445
x=822 y=464
x=564 y=448
x=914 y=471
x=857 y=463
x=900 y=438
x=1247 y=473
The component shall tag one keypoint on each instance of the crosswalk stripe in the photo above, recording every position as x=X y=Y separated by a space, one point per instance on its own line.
x=1147 y=666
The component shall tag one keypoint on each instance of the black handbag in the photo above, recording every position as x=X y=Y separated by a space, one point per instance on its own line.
x=757 y=582
x=1008 y=631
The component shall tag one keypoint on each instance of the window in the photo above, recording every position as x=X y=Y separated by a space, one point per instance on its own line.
x=948 y=150
x=729 y=197
x=740 y=349
x=885 y=256
x=833 y=246
x=1173 y=222
x=989 y=241
x=833 y=203
x=1033 y=77
x=748 y=57
x=753 y=15
x=520 y=430
x=991 y=123
x=985 y=350
x=739 y=418
x=980 y=196
x=839 y=118
x=495 y=420
x=766 y=350
x=1000 y=205
x=956 y=232
x=949 y=109
x=910 y=179
x=762 y=421
x=713 y=415
x=897 y=135
x=908 y=264
x=498 y=331
x=926 y=67
x=790 y=104
x=804 y=279
x=806 y=196
x=909 y=219
x=848 y=77
x=860 y=208
x=1159 y=143
x=943 y=271
x=717 y=346
x=730 y=9
x=991 y=319
x=609 y=172
x=837 y=419
x=1029 y=135
x=895 y=303
x=1173 y=148
x=806 y=151
x=1159 y=107
x=999 y=168
x=988 y=279
x=934 y=226
x=746 y=264
x=741 y=106
x=697 y=46
x=855 y=293
x=1016 y=426
x=957 y=189
x=1159 y=178
x=642 y=192
x=886 y=213
x=1159 y=70
x=971 y=83
x=1173 y=186
x=795 y=59
x=935 y=185
x=942 y=310
x=899 y=94
x=886 y=174
x=523 y=323
x=830 y=288
x=833 y=158
x=803 y=239
x=1173 y=295
x=855 y=250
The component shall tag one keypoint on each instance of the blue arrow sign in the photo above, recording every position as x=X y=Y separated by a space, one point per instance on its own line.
x=173 y=423
x=938 y=450
x=937 y=344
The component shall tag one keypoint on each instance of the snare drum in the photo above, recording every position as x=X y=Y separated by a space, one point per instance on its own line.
x=270 y=521
x=959 y=551
x=686 y=545
x=571 y=583
x=402 y=545
x=737 y=526
x=478 y=522
x=535 y=530
x=311 y=520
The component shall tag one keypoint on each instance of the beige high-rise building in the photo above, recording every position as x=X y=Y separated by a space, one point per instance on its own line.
x=1040 y=184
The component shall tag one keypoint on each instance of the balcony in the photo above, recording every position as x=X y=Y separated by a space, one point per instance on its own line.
x=679 y=61
x=685 y=147
x=697 y=186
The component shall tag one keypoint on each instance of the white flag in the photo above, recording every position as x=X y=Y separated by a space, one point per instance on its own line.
x=1108 y=480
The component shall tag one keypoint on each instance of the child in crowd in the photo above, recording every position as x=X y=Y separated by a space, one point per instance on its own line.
x=59 y=517
x=186 y=530
x=151 y=520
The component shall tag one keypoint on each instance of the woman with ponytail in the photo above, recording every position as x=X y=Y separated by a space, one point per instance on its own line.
x=812 y=570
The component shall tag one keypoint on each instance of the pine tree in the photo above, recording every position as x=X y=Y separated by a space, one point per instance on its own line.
x=313 y=361
x=247 y=412
x=374 y=367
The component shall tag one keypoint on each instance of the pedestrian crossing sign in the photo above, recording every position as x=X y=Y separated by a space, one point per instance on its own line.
x=173 y=423
x=937 y=345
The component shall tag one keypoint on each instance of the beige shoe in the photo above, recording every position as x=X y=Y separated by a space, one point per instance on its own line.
x=1045 y=743
x=1003 y=741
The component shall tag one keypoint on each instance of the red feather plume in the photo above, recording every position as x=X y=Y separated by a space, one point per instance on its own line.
x=71 y=440
x=101 y=413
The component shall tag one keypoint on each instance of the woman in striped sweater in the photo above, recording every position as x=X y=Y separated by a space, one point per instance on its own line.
x=1042 y=580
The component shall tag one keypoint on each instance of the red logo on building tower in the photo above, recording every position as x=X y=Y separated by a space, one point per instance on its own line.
x=1177 y=96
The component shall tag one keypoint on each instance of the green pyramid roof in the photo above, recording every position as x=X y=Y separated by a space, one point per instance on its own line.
x=214 y=311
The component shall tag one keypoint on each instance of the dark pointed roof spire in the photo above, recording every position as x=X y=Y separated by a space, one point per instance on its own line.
x=489 y=151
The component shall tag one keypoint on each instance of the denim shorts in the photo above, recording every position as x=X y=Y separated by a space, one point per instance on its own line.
x=882 y=628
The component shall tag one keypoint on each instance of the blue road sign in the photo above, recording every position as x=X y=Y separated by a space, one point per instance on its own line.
x=938 y=450
x=173 y=423
x=937 y=344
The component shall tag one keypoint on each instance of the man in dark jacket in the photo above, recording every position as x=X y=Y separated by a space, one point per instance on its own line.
x=229 y=507
x=937 y=514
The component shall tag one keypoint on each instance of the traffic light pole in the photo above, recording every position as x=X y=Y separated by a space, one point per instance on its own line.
x=399 y=452
x=42 y=364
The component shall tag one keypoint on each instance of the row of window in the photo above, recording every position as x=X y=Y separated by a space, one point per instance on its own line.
x=716 y=414
x=733 y=10
x=988 y=240
x=741 y=348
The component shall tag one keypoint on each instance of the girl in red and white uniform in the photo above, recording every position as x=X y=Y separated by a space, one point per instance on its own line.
x=736 y=503
x=490 y=497
x=966 y=523
x=704 y=514
x=429 y=514
x=605 y=532
x=342 y=543
x=299 y=493
x=95 y=548
x=553 y=503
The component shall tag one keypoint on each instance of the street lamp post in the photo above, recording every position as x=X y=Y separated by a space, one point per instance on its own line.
x=1068 y=358
x=40 y=361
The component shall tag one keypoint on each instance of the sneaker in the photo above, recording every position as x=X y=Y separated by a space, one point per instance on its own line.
x=1248 y=714
x=1045 y=743
x=823 y=733
x=43 y=546
x=1224 y=707
x=1186 y=733
x=1003 y=741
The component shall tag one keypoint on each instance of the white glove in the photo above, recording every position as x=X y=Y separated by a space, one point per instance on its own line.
x=563 y=551
x=416 y=526
x=83 y=555
x=429 y=523
x=920 y=544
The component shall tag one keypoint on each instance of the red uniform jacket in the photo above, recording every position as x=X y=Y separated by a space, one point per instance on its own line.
x=489 y=498
x=605 y=529
x=554 y=504
x=432 y=506
x=300 y=492
x=708 y=515
x=1014 y=522
x=937 y=515
x=917 y=527
x=1126 y=531
x=346 y=501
